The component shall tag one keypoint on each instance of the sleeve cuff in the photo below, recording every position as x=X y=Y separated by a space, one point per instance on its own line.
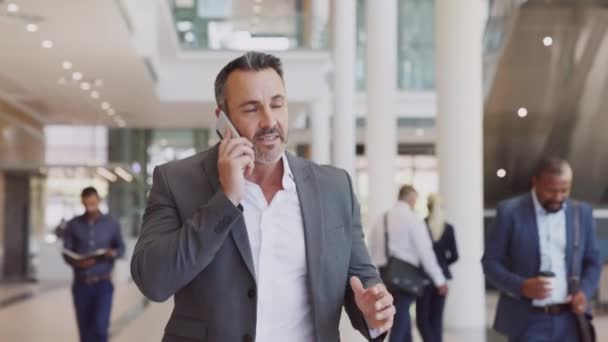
x=374 y=333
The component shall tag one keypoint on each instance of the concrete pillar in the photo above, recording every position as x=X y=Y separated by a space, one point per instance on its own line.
x=320 y=131
x=381 y=130
x=459 y=29
x=345 y=15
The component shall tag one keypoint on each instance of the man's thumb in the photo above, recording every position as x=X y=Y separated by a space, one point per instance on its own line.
x=356 y=285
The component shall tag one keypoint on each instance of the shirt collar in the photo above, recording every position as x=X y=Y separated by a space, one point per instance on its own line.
x=288 y=179
x=538 y=208
x=403 y=204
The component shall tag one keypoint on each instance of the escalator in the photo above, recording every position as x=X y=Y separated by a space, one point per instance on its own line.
x=549 y=57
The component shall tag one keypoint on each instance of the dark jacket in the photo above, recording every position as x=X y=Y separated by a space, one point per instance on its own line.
x=445 y=249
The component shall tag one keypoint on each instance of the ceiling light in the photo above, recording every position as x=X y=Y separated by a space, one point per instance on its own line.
x=501 y=173
x=31 y=27
x=522 y=112
x=420 y=132
x=121 y=124
x=67 y=65
x=106 y=174
x=94 y=94
x=62 y=81
x=12 y=7
x=258 y=1
x=98 y=83
x=255 y=20
x=77 y=76
x=85 y=86
x=47 y=44
x=257 y=8
x=105 y=105
x=122 y=173
x=184 y=26
x=548 y=41
x=111 y=111
x=189 y=37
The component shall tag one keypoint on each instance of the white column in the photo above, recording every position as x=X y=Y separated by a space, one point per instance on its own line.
x=345 y=26
x=320 y=140
x=459 y=29
x=381 y=130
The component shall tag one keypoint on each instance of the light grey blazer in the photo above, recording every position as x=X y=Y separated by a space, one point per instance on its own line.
x=194 y=246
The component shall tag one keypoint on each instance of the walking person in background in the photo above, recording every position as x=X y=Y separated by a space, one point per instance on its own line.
x=92 y=288
x=409 y=241
x=543 y=257
x=429 y=307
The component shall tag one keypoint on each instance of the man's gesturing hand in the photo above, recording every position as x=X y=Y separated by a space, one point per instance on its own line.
x=376 y=304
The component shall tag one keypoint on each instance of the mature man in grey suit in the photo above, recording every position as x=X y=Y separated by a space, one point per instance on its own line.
x=253 y=242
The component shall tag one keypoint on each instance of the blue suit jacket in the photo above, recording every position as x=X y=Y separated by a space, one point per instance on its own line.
x=512 y=254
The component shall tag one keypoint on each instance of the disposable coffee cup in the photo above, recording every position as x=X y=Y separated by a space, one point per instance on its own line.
x=550 y=278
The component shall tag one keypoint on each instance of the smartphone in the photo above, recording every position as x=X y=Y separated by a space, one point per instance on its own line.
x=223 y=124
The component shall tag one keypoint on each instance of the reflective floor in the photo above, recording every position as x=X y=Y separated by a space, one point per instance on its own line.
x=46 y=314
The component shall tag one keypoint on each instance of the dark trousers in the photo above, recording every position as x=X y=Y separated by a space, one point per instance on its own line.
x=549 y=328
x=402 y=326
x=429 y=315
x=93 y=303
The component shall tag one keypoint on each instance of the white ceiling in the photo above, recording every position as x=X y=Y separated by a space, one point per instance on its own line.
x=94 y=37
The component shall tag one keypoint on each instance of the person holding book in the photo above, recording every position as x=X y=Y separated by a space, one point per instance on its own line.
x=92 y=242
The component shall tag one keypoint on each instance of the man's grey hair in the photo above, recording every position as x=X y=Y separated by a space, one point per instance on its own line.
x=552 y=166
x=250 y=61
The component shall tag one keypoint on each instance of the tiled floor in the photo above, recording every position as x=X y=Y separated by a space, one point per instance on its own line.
x=49 y=317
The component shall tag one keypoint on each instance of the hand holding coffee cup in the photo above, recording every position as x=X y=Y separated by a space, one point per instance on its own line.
x=539 y=287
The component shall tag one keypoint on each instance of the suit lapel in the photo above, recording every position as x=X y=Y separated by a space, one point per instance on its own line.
x=239 y=229
x=569 y=236
x=312 y=217
x=532 y=231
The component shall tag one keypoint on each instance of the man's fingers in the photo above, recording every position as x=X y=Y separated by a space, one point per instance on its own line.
x=356 y=285
x=383 y=303
x=240 y=150
x=386 y=313
x=387 y=325
x=243 y=161
x=233 y=143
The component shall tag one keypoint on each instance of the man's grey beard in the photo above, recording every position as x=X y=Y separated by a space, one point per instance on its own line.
x=264 y=156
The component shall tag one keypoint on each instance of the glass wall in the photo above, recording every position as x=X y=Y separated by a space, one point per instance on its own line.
x=271 y=25
x=276 y=25
x=415 y=46
x=141 y=150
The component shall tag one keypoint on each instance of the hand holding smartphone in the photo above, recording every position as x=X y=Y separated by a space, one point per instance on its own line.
x=235 y=159
x=223 y=125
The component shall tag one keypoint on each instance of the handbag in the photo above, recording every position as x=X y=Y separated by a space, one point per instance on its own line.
x=584 y=324
x=399 y=275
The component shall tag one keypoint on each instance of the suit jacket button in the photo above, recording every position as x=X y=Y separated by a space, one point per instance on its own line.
x=251 y=293
x=247 y=338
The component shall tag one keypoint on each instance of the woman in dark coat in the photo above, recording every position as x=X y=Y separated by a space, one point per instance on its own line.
x=429 y=307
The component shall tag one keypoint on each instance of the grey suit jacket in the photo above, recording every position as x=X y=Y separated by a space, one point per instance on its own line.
x=194 y=246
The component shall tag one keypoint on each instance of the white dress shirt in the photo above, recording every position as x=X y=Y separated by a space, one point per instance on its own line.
x=552 y=239
x=408 y=240
x=276 y=236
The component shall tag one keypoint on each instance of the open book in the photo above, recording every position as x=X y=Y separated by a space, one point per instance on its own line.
x=99 y=254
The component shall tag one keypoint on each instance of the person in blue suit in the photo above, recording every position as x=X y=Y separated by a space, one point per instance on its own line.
x=429 y=306
x=529 y=257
